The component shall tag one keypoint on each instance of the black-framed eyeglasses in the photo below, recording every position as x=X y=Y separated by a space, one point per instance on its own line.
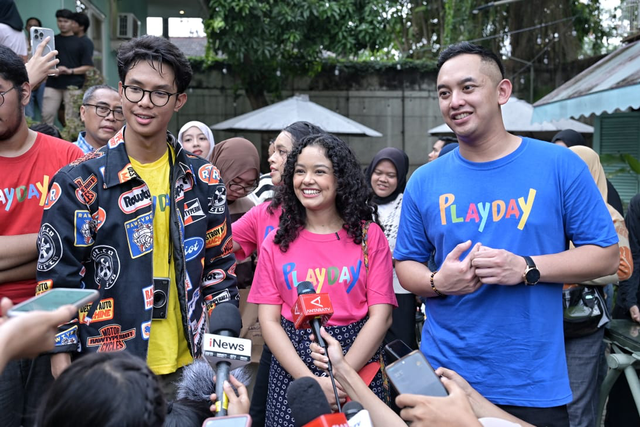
x=2 y=94
x=104 y=111
x=238 y=188
x=159 y=98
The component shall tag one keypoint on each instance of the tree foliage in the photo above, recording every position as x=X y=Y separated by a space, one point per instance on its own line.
x=267 y=40
x=562 y=28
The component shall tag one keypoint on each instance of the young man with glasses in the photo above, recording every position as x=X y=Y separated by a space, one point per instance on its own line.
x=28 y=162
x=144 y=223
x=102 y=114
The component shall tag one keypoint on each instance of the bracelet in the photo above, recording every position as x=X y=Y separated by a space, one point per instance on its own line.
x=73 y=71
x=433 y=286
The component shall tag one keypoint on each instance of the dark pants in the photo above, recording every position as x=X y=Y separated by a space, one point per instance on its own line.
x=260 y=389
x=404 y=321
x=23 y=386
x=584 y=358
x=556 y=416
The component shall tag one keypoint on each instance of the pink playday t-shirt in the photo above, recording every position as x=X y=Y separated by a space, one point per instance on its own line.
x=253 y=227
x=335 y=265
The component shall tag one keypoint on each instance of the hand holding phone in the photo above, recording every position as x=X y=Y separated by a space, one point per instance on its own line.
x=54 y=299
x=413 y=374
x=30 y=334
x=43 y=44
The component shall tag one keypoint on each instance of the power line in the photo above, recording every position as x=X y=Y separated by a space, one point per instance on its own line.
x=522 y=30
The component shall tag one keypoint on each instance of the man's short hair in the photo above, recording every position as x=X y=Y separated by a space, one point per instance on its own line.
x=46 y=129
x=64 y=13
x=89 y=94
x=35 y=19
x=448 y=140
x=153 y=48
x=12 y=67
x=82 y=19
x=472 y=49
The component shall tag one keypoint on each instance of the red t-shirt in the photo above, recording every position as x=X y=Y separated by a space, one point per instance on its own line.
x=24 y=185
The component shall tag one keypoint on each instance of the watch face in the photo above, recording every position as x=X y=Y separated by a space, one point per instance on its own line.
x=533 y=275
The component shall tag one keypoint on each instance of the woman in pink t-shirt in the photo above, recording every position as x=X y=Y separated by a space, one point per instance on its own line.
x=326 y=203
x=253 y=227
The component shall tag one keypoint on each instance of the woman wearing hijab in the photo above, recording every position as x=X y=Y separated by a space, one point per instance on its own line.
x=197 y=138
x=387 y=175
x=570 y=138
x=585 y=352
x=239 y=164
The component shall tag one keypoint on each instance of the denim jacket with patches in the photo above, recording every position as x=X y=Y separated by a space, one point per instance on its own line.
x=97 y=233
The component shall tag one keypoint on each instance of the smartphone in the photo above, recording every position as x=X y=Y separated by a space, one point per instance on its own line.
x=397 y=349
x=55 y=298
x=38 y=34
x=228 y=421
x=413 y=374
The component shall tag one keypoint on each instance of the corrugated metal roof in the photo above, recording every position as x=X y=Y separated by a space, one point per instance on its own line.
x=516 y=116
x=611 y=84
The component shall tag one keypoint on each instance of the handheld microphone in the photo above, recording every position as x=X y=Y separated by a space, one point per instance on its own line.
x=309 y=406
x=224 y=350
x=311 y=310
x=356 y=415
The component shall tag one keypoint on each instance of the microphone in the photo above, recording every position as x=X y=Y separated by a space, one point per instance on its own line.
x=224 y=350
x=309 y=406
x=311 y=310
x=356 y=415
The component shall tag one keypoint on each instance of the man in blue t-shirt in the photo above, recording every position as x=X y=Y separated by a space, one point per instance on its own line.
x=498 y=214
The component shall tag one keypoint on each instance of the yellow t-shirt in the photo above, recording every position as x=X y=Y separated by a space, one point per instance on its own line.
x=168 y=349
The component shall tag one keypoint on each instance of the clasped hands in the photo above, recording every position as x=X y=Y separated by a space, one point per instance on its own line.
x=482 y=265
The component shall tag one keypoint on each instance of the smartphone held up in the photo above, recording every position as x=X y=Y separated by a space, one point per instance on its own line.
x=412 y=374
x=54 y=299
x=41 y=35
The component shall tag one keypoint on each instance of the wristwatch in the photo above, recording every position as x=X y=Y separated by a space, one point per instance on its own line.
x=531 y=273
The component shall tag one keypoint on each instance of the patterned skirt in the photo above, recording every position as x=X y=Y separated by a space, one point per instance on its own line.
x=278 y=411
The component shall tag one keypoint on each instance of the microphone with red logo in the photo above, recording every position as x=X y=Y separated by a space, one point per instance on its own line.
x=311 y=310
x=309 y=406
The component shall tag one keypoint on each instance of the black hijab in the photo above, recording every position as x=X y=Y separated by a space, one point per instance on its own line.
x=9 y=15
x=401 y=161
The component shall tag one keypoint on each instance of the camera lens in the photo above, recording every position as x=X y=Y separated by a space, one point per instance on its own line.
x=159 y=299
x=41 y=34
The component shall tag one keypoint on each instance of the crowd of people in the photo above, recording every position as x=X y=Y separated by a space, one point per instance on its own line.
x=482 y=238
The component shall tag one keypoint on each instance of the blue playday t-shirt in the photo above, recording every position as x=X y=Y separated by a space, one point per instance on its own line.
x=507 y=341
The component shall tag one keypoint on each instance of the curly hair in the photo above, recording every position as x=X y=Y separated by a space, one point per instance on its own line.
x=298 y=131
x=354 y=197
